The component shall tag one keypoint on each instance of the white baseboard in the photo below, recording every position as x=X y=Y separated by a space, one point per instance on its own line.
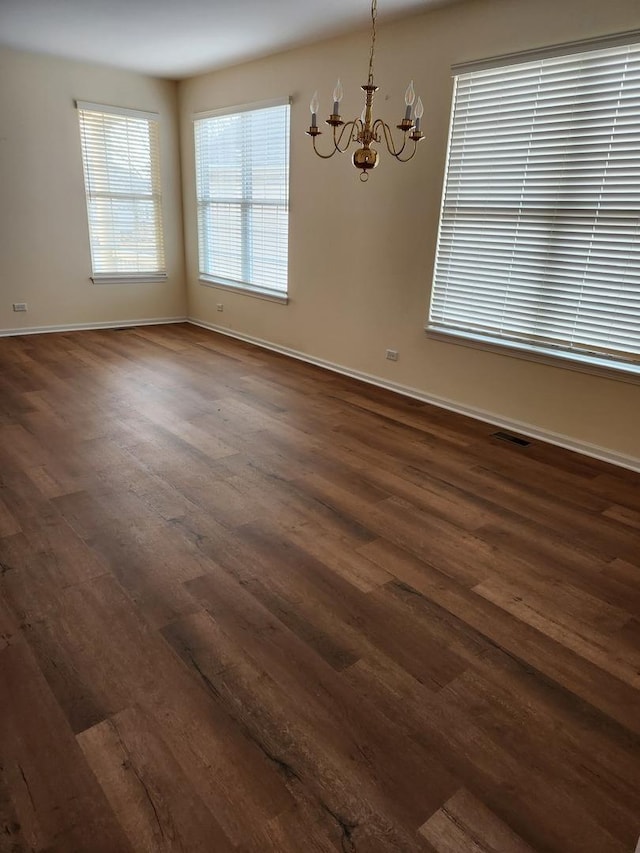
x=592 y=450
x=84 y=327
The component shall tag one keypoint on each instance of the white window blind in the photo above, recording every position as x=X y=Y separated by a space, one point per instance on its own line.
x=120 y=153
x=539 y=240
x=242 y=183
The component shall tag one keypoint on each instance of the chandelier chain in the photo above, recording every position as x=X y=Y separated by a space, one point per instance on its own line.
x=374 y=15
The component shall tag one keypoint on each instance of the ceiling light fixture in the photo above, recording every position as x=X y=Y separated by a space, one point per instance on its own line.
x=366 y=130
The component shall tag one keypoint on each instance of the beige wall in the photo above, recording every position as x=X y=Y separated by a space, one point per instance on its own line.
x=44 y=243
x=361 y=256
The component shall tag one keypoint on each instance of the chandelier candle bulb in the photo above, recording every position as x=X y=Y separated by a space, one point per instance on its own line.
x=338 y=94
x=314 y=106
x=409 y=98
x=419 y=113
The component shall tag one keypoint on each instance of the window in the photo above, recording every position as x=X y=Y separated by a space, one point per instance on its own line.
x=539 y=240
x=120 y=155
x=242 y=185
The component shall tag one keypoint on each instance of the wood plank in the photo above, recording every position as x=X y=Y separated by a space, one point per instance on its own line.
x=148 y=791
x=464 y=823
x=55 y=798
x=9 y=525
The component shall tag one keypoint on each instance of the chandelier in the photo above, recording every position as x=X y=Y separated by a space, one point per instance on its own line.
x=366 y=130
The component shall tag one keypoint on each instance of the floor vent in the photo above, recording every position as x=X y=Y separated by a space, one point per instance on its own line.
x=505 y=436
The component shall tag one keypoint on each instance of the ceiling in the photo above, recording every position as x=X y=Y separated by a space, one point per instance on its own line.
x=179 y=38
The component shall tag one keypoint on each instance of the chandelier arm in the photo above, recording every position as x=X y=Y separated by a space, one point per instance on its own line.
x=411 y=156
x=388 y=138
x=337 y=140
x=320 y=154
x=349 y=126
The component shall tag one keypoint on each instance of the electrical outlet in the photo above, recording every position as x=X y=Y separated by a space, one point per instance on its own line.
x=219 y=307
x=392 y=354
x=19 y=306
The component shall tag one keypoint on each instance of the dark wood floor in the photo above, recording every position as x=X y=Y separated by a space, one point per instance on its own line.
x=249 y=605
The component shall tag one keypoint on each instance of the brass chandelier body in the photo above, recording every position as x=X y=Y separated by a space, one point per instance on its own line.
x=366 y=130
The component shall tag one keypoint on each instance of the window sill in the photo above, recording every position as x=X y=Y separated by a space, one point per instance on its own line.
x=621 y=371
x=128 y=278
x=245 y=289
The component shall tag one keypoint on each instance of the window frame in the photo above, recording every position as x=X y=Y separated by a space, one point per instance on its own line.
x=544 y=352
x=208 y=279
x=153 y=120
